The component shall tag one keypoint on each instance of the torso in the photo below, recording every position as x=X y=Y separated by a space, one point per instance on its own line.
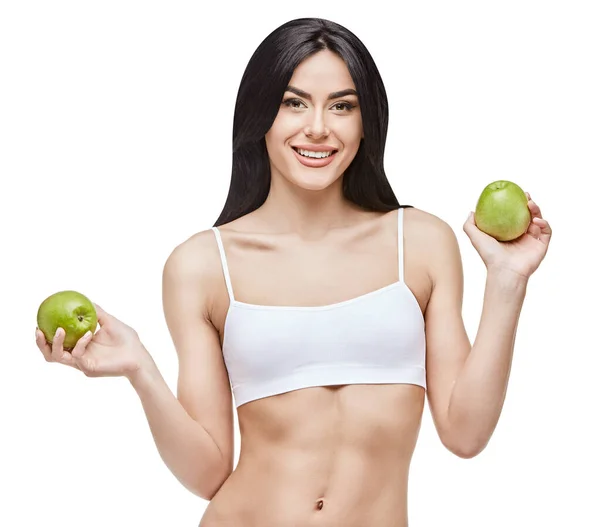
x=323 y=456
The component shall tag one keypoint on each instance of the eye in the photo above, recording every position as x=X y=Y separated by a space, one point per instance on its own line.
x=296 y=104
x=344 y=106
x=292 y=103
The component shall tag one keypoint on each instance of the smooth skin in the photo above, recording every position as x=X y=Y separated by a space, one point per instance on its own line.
x=324 y=456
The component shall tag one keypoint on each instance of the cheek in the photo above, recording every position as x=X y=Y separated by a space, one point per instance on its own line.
x=349 y=132
x=280 y=131
x=275 y=147
x=276 y=141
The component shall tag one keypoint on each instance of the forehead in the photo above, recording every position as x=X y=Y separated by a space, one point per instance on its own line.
x=323 y=72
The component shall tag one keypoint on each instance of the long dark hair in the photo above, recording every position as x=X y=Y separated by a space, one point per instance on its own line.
x=259 y=97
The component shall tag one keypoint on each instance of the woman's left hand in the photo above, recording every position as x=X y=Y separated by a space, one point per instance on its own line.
x=523 y=255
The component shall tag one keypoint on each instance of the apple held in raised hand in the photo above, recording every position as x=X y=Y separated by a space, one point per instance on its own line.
x=502 y=211
x=69 y=310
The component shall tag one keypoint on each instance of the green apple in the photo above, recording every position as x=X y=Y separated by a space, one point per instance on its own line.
x=69 y=310
x=502 y=211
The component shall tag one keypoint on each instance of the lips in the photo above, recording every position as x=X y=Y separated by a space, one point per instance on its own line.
x=315 y=162
x=315 y=148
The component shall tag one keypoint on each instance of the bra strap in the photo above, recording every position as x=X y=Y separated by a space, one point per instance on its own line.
x=224 y=263
x=401 y=244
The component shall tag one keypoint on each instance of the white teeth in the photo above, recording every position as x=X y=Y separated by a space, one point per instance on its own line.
x=310 y=153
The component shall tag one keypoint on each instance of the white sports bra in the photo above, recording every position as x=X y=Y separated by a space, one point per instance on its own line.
x=375 y=338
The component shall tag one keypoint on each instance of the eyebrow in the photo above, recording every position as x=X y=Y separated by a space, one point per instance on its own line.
x=334 y=95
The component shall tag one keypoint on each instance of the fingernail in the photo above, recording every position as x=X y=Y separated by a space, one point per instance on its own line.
x=87 y=335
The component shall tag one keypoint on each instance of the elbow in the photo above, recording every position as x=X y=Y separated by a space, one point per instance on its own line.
x=464 y=448
x=467 y=451
x=209 y=488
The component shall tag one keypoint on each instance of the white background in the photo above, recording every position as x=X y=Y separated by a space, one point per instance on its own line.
x=115 y=146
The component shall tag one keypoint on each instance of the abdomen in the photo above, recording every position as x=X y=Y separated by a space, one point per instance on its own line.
x=325 y=456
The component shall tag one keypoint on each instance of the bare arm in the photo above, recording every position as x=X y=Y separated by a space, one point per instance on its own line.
x=193 y=431
x=467 y=384
x=480 y=390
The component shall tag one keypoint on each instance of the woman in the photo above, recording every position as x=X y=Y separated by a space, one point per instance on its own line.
x=313 y=299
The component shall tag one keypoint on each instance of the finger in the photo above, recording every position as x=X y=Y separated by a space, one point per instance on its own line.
x=57 y=344
x=545 y=230
x=471 y=228
x=534 y=230
x=42 y=344
x=534 y=209
x=81 y=345
x=468 y=224
x=528 y=196
x=58 y=352
x=470 y=220
x=103 y=316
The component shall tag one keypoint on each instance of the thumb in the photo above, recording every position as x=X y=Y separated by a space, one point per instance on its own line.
x=103 y=316
x=469 y=226
x=475 y=234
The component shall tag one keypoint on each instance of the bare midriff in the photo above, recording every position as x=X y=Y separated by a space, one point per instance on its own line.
x=323 y=457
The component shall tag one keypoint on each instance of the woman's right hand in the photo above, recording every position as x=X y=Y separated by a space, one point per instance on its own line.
x=114 y=350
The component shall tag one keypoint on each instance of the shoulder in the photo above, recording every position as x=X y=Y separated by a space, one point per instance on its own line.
x=428 y=231
x=194 y=256
x=193 y=263
x=434 y=243
x=198 y=255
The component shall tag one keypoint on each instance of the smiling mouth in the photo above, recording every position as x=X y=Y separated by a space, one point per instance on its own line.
x=309 y=154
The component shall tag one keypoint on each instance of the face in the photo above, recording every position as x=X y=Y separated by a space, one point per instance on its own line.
x=319 y=116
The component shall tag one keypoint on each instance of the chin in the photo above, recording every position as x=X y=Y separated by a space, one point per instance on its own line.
x=313 y=182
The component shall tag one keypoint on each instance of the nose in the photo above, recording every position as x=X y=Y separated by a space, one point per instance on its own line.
x=316 y=127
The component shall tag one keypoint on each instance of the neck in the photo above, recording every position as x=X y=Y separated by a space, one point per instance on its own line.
x=310 y=214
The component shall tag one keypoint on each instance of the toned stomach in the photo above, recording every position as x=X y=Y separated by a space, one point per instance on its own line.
x=326 y=457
